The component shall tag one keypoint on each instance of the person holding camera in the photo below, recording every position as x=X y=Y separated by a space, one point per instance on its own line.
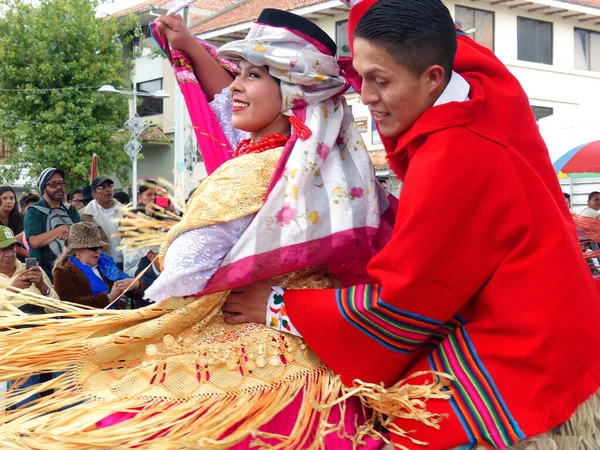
x=27 y=277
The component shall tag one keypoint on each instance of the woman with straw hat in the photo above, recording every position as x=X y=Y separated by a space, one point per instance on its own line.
x=84 y=274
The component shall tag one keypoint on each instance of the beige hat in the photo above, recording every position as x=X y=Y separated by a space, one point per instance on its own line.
x=84 y=235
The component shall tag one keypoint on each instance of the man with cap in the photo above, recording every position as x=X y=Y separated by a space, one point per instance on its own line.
x=103 y=210
x=47 y=222
x=13 y=272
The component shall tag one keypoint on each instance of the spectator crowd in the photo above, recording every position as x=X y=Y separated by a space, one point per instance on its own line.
x=65 y=245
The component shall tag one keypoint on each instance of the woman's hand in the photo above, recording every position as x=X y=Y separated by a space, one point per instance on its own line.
x=249 y=304
x=115 y=291
x=126 y=284
x=174 y=29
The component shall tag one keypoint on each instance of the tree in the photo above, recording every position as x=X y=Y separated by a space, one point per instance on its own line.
x=53 y=58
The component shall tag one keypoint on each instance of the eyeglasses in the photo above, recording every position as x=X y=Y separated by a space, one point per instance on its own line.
x=105 y=188
x=55 y=184
x=95 y=249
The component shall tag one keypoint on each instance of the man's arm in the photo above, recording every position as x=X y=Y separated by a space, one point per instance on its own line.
x=458 y=218
x=45 y=239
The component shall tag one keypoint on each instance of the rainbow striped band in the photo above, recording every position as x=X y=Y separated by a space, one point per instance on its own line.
x=476 y=400
x=397 y=330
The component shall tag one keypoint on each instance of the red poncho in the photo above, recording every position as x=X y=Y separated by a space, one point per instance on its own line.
x=483 y=277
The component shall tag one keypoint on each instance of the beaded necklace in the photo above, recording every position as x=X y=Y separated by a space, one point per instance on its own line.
x=270 y=142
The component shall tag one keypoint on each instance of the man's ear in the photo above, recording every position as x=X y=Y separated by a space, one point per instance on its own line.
x=436 y=79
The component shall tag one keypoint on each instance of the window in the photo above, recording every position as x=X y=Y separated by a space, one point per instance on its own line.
x=341 y=38
x=477 y=23
x=150 y=106
x=375 y=138
x=542 y=111
x=534 y=40
x=587 y=50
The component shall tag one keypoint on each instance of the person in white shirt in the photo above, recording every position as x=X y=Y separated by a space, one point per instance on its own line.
x=104 y=210
x=593 y=206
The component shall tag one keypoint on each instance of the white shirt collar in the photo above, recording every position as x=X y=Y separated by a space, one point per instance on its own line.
x=456 y=91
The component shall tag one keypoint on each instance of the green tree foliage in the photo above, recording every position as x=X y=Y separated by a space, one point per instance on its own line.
x=53 y=57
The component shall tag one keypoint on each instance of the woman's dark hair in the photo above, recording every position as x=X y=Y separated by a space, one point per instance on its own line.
x=73 y=192
x=416 y=33
x=145 y=185
x=15 y=221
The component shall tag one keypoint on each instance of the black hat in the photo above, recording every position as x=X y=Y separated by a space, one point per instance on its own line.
x=284 y=19
x=87 y=194
x=99 y=180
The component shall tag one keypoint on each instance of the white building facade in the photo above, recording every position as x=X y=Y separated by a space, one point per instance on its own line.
x=551 y=46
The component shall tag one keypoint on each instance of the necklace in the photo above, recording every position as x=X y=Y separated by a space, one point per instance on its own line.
x=270 y=142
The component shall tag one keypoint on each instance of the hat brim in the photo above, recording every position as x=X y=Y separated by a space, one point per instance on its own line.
x=95 y=186
x=92 y=245
x=10 y=242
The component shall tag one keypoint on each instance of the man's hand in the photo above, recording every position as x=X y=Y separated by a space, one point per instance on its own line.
x=249 y=303
x=22 y=281
x=35 y=276
x=174 y=29
x=62 y=232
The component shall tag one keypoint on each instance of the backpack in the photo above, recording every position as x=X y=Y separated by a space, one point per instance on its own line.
x=55 y=217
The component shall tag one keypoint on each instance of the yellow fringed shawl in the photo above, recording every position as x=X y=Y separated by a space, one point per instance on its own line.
x=176 y=364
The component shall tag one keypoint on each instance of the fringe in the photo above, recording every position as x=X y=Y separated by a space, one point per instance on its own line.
x=62 y=342
x=208 y=423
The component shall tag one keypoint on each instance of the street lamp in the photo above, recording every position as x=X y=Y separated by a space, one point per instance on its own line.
x=135 y=124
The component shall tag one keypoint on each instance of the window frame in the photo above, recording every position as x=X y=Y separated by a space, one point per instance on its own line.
x=545 y=108
x=519 y=19
x=493 y=13
x=140 y=108
x=337 y=37
x=589 y=45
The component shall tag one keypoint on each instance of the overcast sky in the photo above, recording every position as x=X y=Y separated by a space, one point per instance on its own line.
x=117 y=5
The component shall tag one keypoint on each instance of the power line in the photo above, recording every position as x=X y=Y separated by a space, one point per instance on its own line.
x=62 y=125
x=51 y=89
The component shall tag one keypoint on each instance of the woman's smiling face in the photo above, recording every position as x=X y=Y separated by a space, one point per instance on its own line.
x=257 y=102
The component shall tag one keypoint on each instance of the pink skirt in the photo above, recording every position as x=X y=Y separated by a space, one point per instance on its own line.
x=284 y=422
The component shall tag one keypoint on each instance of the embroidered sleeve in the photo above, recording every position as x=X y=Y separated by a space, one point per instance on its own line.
x=194 y=257
x=277 y=317
x=221 y=105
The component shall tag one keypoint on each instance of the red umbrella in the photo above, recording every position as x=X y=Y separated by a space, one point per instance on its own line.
x=581 y=161
x=94 y=171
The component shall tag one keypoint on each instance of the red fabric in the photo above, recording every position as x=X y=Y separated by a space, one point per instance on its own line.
x=482 y=231
x=354 y=17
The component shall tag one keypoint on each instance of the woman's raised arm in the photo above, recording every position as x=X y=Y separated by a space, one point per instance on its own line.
x=212 y=77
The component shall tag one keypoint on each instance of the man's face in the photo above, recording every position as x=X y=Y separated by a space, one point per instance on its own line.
x=147 y=196
x=104 y=194
x=77 y=201
x=55 y=187
x=8 y=256
x=395 y=96
x=594 y=202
